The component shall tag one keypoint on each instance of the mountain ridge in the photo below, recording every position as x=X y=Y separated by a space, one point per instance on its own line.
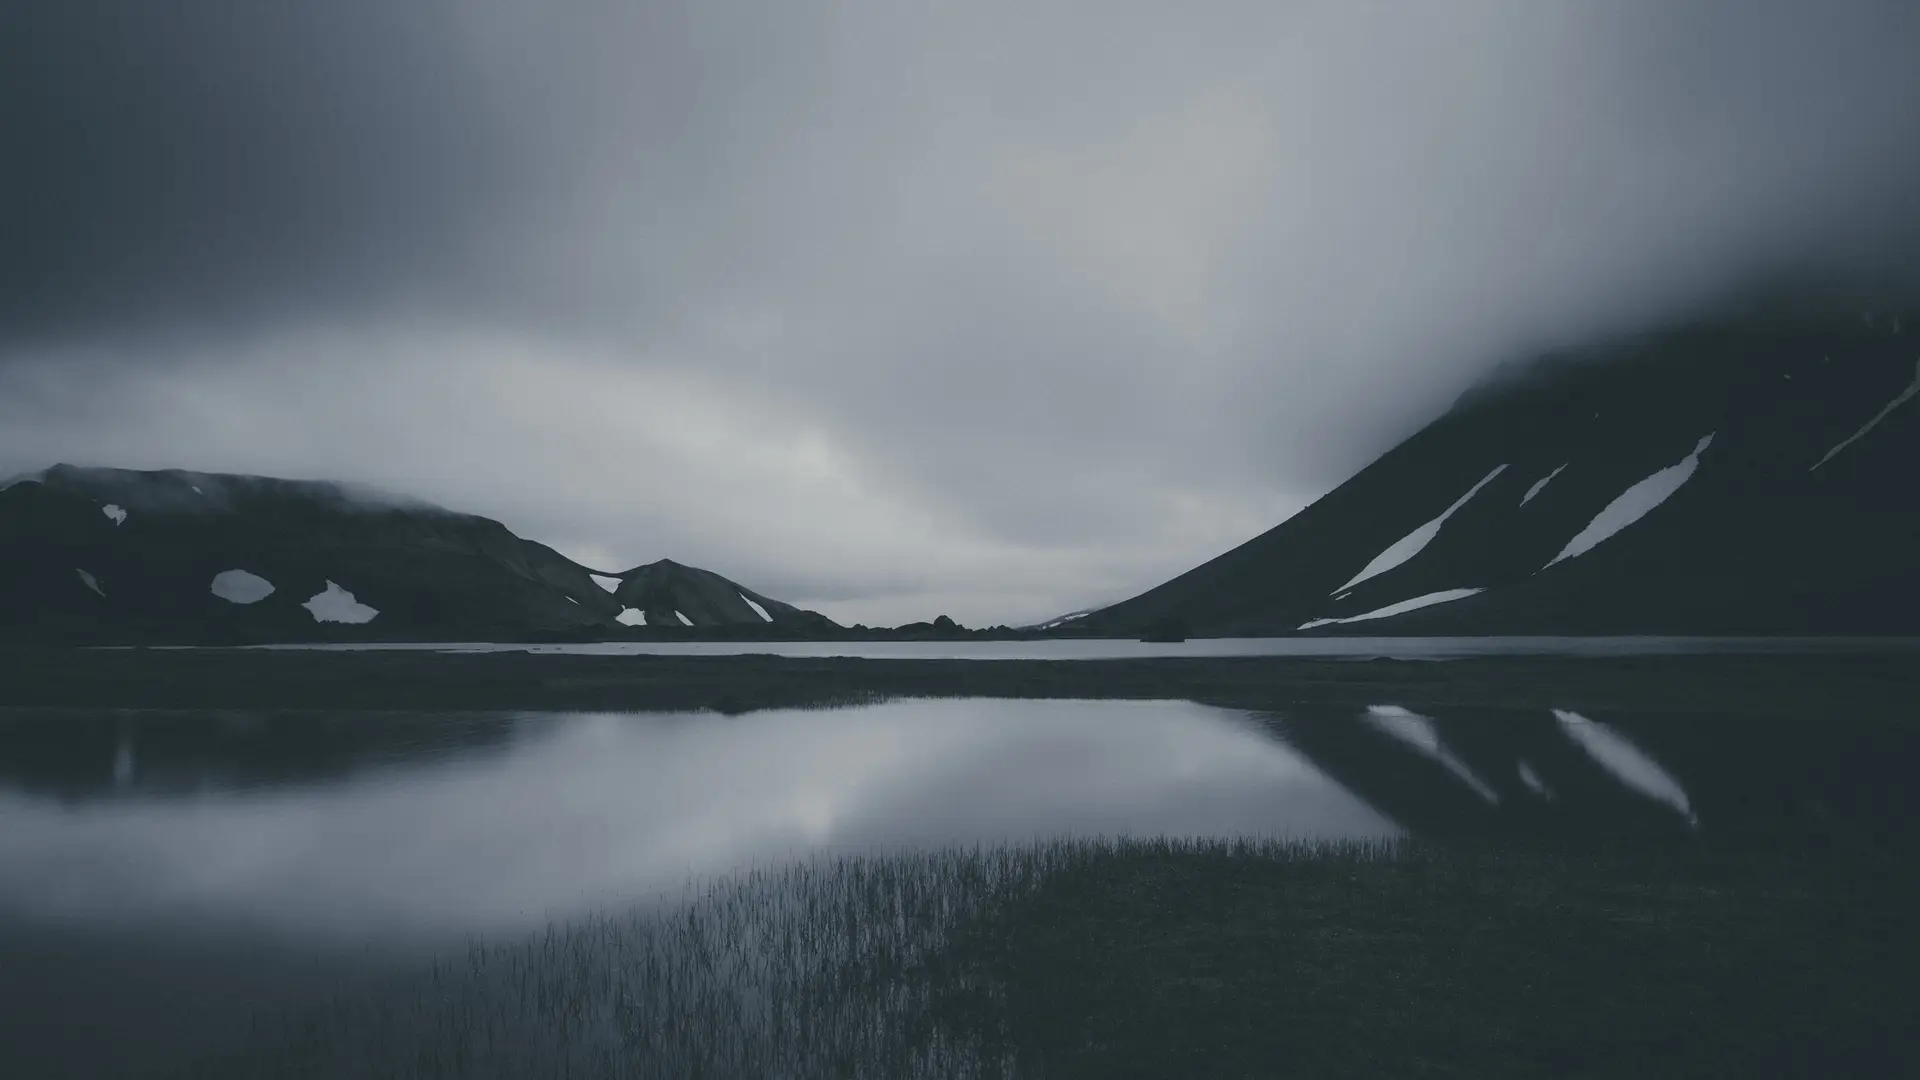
x=170 y=555
x=1795 y=489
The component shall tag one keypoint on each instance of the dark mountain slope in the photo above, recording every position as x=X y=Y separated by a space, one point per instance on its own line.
x=171 y=556
x=1748 y=478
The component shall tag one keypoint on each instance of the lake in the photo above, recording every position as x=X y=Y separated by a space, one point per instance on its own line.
x=166 y=873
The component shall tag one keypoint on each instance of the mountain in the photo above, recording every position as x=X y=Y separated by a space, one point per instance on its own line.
x=112 y=555
x=666 y=593
x=1746 y=477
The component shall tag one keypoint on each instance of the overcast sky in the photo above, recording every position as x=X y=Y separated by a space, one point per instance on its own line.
x=997 y=309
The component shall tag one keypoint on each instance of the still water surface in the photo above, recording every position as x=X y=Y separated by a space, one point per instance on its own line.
x=162 y=873
x=449 y=824
x=358 y=824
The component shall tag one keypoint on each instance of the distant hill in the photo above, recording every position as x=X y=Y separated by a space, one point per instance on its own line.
x=1755 y=477
x=118 y=556
x=666 y=593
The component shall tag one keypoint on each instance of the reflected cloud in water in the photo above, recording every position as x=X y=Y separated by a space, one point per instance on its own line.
x=348 y=825
x=592 y=810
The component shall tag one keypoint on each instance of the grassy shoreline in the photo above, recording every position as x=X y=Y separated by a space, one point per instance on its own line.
x=1090 y=958
x=1762 y=685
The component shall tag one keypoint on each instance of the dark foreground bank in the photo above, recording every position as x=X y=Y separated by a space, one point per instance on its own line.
x=1159 y=959
x=256 y=679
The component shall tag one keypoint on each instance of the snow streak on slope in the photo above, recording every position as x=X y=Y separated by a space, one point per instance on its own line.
x=1411 y=544
x=684 y=621
x=1903 y=397
x=1418 y=732
x=1540 y=484
x=1616 y=754
x=1400 y=608
x=605 y=582
x=338 y=605
x=240 y=587
x=90 y=581
x=1634 y=503
x=757 y=609
x=632 y=616
x=117 y=513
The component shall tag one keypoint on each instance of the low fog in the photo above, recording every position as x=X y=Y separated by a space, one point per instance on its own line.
x=995 y=310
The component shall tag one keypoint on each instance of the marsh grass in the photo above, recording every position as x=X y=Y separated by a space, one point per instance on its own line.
x=1154 y=957
x=808 y=968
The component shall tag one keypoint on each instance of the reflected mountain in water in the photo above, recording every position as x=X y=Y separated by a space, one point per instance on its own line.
x=86 y=754
x=1558 y=775
x=1569 y=777
x=395 y=828
x=172 y=870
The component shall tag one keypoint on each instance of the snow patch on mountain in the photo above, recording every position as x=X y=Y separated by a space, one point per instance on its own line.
x=1634 y=503
x=90 y=581
x=1540 y=484
x=240 y=587
x=1615 y=753
x=632 y=616
x=1418 y=732
x=757 y=609
x=115 y=512
x=684 y=621
x=1901 y=399
x=336 y=604
x=604 y=581
x=1534 y=783
x=1411 y=544
x=1400 y=608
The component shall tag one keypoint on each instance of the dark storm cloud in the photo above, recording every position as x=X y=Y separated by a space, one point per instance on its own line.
x=1008 y=304
x=207 y=161
x=217 y=157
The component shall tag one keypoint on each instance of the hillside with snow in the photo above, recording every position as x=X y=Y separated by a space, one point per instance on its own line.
x=1744 y=478
x=118 y=556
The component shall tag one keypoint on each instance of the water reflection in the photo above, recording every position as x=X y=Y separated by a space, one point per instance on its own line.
x=163 y=873
x=1418 y=732
x=1567 y=778
x=123 y=754
x=587 y=811
x=354 y=824
x=1617 y=754
x=142 y=753
x=1534 y=783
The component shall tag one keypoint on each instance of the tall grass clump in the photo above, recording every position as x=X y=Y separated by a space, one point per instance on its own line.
x=830 y=966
